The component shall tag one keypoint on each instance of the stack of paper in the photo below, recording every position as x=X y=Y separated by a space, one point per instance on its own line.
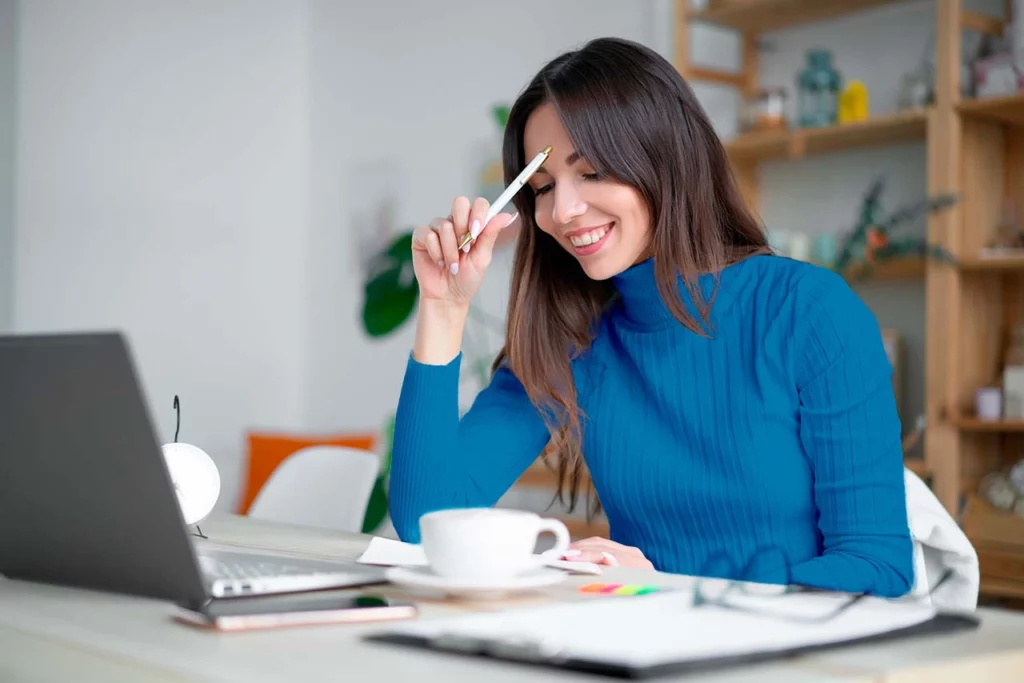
x=391 y=553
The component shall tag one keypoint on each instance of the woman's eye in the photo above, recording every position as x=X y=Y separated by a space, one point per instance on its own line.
x=547 y=188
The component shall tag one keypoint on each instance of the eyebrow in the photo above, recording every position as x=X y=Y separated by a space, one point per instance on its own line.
x=569 y=160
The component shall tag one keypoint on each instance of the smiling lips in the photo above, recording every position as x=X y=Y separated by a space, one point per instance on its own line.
x=589 y=241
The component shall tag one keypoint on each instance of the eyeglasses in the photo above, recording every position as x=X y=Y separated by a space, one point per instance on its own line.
x=754 y=597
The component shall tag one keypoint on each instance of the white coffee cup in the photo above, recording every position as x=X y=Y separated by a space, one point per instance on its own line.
x=486 y=544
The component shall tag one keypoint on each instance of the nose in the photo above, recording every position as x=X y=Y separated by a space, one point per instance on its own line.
x=568 y=204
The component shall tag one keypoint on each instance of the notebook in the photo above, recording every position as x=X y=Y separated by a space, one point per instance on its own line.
x=661 y=633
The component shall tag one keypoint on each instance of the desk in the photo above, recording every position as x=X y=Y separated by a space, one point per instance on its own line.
x=51 y=633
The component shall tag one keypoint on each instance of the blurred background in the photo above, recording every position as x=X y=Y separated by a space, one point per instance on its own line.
x=223 y=182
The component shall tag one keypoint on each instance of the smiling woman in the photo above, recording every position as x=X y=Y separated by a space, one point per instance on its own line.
x=734 y=408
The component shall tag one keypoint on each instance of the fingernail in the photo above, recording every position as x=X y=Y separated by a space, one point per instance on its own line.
x=512 y=220
x=455 y=268
x=609 y=558
x=572 y=553
x=440 y=264
x=474 y=229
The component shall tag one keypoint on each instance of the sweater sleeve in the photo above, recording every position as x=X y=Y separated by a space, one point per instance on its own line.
x=440 y=461
x=850 y=430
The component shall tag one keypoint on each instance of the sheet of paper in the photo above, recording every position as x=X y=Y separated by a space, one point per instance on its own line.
x=392 y=553
x=665 y=627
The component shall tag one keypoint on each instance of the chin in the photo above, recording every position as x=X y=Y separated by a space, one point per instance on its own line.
x=606 y=267
x=600 y=270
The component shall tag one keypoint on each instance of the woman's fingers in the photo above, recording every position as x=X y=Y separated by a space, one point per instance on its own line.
x=449 y=246
x=461 y=207
x=598 y=550
x=594 y=556
x=426 y=237
x=603 y=551
x=484 y=245
x=477 y=216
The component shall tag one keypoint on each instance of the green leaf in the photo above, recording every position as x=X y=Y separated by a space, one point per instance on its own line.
x=390 y=294
x=377 y=507
x=501 y=113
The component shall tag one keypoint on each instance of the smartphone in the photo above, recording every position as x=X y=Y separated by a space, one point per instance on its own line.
x=265 y=612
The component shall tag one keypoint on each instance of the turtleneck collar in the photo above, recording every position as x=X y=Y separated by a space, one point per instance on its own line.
x=641 y=305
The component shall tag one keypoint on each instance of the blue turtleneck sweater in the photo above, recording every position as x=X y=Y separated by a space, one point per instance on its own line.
x=769 y=451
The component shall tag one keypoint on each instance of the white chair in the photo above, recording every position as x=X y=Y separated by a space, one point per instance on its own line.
x=939 y=545
x=320 y=486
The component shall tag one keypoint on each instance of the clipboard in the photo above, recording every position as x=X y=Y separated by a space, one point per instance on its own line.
x=709 y=637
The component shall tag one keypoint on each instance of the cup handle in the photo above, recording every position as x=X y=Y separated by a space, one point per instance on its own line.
x=561 y=533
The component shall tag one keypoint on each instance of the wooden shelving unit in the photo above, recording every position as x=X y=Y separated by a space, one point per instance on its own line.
x=973 y=424
x=1005 y=109
x=975 y=148
x=983 y=262
x=761 y=16
x=910 y=268
x=792 y=144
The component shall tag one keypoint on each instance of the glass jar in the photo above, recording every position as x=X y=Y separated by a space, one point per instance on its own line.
x=818 y=86
x=766 y=110
x=1015 y=350
x=1013 y=377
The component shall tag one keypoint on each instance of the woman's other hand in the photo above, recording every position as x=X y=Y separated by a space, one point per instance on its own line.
x=602 y=551
x=445 y=273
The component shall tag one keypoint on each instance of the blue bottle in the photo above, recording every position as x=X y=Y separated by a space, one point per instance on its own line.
x=819 y=85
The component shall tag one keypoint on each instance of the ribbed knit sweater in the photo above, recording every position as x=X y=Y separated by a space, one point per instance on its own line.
x=767 y=451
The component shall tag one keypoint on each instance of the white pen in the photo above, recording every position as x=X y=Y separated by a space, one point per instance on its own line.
x=506 y=196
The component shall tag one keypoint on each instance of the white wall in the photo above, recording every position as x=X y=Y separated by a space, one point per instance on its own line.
x=185 y=173
x=8 y=50
x=162 y=188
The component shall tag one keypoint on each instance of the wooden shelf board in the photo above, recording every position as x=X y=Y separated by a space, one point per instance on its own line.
x=973 y=424
x=1002 y=108
x=879 y=130
x=910 y=268
x=1009 y=261
x=998 y=538
x=760 y=16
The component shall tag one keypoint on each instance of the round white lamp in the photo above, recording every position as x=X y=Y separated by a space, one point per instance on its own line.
x=194 y=475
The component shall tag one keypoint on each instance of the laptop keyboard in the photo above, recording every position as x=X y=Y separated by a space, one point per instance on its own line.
x=225 y=565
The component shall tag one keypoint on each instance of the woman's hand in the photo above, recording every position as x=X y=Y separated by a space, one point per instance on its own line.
x=602 y=551
x=445 y=273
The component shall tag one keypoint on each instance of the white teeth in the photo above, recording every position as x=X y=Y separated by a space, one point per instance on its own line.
x=588 y=237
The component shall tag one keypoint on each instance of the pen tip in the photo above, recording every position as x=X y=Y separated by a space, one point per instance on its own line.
x=547 y=150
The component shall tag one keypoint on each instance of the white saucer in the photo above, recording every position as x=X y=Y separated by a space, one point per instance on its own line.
x=423 y=577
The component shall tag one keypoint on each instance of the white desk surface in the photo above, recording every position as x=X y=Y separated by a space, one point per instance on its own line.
x=52 y=633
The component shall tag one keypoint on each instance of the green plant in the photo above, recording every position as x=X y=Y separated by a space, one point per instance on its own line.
x=872 y=240
x=377 y=507
x=389 y=295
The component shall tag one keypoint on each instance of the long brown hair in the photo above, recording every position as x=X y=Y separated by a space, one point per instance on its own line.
x=636 y=121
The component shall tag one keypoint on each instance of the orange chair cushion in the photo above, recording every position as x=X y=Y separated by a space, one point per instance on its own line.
x=267 y=451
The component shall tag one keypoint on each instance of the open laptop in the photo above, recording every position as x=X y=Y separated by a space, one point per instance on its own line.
x=85 y=496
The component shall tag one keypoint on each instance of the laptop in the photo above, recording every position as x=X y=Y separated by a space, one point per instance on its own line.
x=86 y=499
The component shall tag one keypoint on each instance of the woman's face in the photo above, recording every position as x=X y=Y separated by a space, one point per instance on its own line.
x=604 y=224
